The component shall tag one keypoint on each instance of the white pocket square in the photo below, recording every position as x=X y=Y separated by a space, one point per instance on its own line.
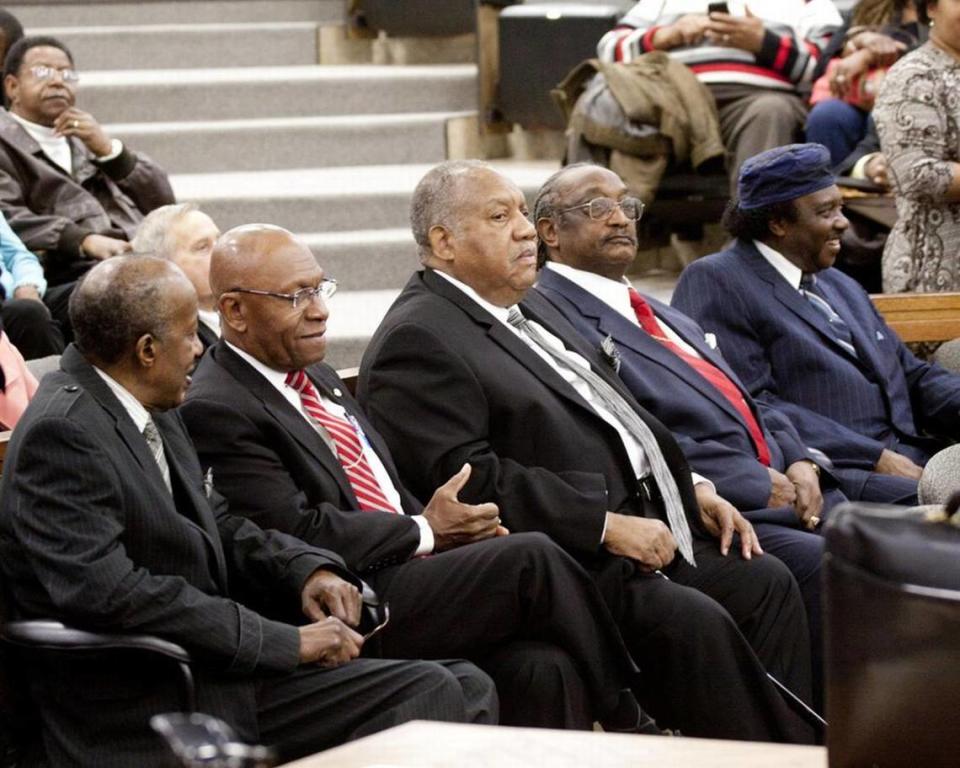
x=711 y=340
x=880 y=336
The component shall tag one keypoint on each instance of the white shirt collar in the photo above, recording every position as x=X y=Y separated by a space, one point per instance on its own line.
x=786 y=268
x=57 y=148
x=613 y=293
x=134 y=408
x=275 y=377
x=501 y=313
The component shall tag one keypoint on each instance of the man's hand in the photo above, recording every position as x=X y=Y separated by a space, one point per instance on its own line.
x=809 y=503
x=891 y=463
x=782 y=491
x=455 y=523
x=325 y=593
x=885 y=49
x=328 y=642
x=649 y=542
x=29 y=292
x=101 y=247
x=687 y=30
x=744 y=32
x=876 y=170
x=83 y=125
x=722 y=519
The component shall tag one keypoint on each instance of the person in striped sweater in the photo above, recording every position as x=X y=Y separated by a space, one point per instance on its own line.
x=754 y=58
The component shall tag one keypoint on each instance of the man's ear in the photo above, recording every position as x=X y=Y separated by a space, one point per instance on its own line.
x=11 y=85
x=231 y=312
x=777 y=228
x=146 y=350
x=547 y=232
x=442 y=242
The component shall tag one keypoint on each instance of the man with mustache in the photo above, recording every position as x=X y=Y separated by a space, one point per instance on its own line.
x=807 y=341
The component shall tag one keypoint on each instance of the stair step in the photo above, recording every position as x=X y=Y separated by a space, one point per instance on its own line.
x=93 y=14
x=140 y=96
x=177 y=46
x=372 y=259
x=290 y=142
x=325 y=199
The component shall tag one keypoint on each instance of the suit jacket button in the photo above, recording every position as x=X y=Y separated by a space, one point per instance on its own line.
x=71 y=388
x=337 y=392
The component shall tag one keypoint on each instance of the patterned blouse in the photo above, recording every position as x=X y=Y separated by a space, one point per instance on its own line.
x=918 y=118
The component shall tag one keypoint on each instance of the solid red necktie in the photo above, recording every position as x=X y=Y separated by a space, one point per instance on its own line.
x=370 y=495
x=710 y=372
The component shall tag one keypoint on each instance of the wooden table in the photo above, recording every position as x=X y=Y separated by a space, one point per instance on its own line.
x=432 y=745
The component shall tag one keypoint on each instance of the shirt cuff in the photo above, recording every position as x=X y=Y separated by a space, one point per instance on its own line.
x=427 y=541
x=859 y=171
x=701 y=480
x=116 y=147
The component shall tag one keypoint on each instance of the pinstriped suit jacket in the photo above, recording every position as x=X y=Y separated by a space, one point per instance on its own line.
x=850 y=407
x=90 y=535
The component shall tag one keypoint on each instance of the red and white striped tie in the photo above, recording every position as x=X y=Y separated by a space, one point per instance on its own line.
x=349 y=450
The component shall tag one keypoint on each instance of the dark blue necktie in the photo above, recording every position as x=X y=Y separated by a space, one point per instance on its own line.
x=841 y=331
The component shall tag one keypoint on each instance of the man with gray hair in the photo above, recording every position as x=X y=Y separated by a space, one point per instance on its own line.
x=109 y=525
x=185 y=235
x=460 y=371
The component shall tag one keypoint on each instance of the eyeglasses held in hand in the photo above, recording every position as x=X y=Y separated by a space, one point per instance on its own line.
x=326 y=289
x=602 y=208
x=381 y=625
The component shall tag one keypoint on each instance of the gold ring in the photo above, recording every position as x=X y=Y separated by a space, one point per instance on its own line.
x=75 y=123
x=814 y=521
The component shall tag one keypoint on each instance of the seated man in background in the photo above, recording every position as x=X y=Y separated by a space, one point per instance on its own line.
x=11 y=30
x=185 y=235
x=23 y=288
x=460 y=371
x=291 y=449
x=806 y=340
x=754 y=58
x=71 y=193
x=107 y=523
x=756 y=459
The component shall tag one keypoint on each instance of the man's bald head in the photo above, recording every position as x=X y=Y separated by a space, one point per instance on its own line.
x=254 y=272
x=123 y=298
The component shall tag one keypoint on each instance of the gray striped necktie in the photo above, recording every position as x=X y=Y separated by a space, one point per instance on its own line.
x=841 y=331
x=155 y=443
x=614 y=402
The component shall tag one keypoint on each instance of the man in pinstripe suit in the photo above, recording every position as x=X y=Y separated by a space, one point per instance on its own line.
x=107 y=523
x=806 y=340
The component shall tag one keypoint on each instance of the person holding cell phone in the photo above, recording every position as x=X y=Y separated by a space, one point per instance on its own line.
x=754 y=58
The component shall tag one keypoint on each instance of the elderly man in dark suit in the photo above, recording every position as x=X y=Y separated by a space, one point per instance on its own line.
x=588 y=235
x=806 y=339
x=461 y=371
x=292 y=450
x=106 y=523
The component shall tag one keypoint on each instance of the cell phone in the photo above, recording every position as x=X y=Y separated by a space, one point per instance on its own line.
x=718 y=8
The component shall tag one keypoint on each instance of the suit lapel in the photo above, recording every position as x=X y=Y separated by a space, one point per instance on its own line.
x=793 y=300
x=279 y=409
x=866 y=345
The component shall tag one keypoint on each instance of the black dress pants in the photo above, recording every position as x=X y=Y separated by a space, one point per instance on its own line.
x=31 y=328
x=705 y=638
x=525 y=612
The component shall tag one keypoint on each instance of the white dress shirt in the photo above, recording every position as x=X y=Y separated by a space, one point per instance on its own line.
x=785 y=268
x=134 y=408
x=279 y=381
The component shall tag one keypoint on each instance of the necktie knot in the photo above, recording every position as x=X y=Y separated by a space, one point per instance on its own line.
x=516 y=318
x=298 y=380
x=807 y=281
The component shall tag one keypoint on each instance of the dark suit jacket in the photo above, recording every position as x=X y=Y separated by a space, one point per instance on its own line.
x=850 y=407
x=208 y=337
x=90 y=535
x=280 y=473
x=446 y=383
x=711 y=432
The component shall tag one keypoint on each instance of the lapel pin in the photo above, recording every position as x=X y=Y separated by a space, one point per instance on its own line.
x=337 y=392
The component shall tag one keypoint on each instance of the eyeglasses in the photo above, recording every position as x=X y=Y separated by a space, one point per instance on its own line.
x=47 y=73
x=602 y=208
x=381 y=625
x=326 y=289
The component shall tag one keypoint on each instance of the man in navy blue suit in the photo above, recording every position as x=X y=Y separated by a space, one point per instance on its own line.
x=587 y=226
x=806 y=340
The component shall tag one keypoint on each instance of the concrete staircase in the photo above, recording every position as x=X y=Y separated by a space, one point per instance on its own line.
x=228 y=96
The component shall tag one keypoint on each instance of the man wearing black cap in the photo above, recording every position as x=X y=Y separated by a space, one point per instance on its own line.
x=806 y=339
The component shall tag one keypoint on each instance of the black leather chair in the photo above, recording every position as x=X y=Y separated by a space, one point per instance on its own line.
x=892 y=621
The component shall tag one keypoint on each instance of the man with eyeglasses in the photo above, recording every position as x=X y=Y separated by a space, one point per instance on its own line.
x=290 y=448
x=73 y=194
x=468 y=366
x=752 y=453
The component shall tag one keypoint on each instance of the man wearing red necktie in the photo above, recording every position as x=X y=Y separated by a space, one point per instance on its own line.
x=290 y=448
x=756 y=459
